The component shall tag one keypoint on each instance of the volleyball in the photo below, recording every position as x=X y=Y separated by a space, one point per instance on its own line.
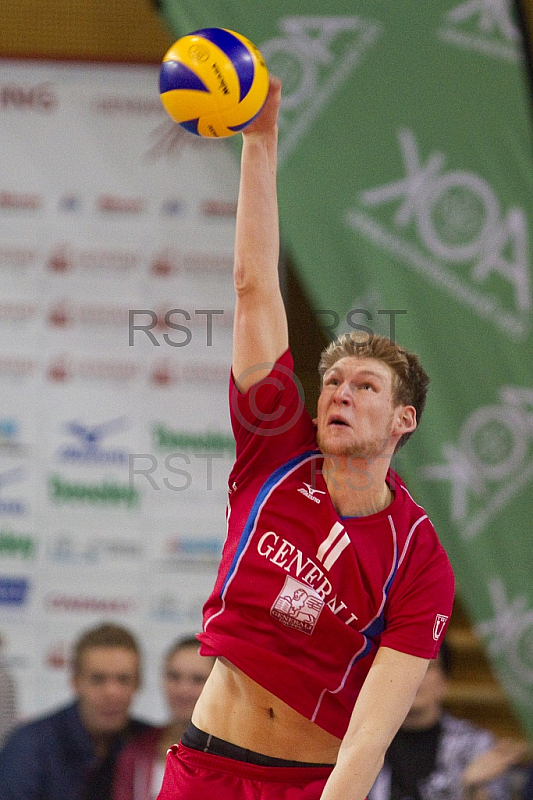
x=213 y=82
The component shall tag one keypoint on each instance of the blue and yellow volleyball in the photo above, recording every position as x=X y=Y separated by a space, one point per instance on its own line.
x=213 y=82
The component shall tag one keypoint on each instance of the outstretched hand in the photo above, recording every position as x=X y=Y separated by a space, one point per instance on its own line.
x=268 y=116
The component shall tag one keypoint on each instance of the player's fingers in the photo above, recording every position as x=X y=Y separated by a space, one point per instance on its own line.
x=267 y=117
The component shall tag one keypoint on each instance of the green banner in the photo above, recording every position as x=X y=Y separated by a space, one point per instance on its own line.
x=406 y=201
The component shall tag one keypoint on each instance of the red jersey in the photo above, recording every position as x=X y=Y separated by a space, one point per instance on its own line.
x=304 y=597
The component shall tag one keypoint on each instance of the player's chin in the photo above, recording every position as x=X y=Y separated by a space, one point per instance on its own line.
x=336 y=444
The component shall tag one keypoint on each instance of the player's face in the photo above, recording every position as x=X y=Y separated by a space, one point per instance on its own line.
x=185 y=674
x=356 y=411
x=105 y=684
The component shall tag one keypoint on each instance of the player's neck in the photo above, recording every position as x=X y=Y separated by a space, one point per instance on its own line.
x=357 y=491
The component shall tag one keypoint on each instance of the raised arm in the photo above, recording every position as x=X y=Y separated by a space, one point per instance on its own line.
x=386 y=697
x=260 y=328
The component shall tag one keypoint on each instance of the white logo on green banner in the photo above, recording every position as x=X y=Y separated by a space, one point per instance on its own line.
x=485 y=26
x=491 y=462
x=313 y=56
x=458 y=220
x=510 y=638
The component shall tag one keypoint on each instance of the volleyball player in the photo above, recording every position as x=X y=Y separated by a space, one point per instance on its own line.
x=333 y=591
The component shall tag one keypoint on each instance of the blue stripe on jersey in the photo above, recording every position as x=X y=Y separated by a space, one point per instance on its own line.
x=377 y=626
x=276 y=477
x=368 y=647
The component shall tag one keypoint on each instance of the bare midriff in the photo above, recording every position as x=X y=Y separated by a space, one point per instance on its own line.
x=235 y=708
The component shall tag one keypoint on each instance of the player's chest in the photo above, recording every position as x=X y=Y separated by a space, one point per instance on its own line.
x=292 y=530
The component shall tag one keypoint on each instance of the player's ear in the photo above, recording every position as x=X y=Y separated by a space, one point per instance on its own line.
x=405 y=420
x=315 y=421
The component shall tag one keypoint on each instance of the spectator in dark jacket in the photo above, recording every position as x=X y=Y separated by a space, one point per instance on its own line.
x=71 y=753
x=528 y=785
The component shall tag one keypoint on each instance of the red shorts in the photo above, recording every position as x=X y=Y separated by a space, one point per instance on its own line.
x=194 y=775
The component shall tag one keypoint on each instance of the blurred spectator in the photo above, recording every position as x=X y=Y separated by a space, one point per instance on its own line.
x=435 y=756
x=141 y=765
x=71 y=753
x=528 y=786
x=8 y=699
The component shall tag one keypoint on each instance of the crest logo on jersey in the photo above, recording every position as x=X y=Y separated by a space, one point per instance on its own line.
x=297 y=606
x=310 y=492
x=438 y=627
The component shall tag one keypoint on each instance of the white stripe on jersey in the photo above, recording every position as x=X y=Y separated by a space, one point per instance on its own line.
x=335 y=552
x=328 y=542
x=409 y=535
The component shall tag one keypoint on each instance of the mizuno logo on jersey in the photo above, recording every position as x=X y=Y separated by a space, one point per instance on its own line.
x=310 y=492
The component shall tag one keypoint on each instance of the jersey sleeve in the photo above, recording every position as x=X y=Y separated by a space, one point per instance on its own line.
x=270 y=421
x=420 y=602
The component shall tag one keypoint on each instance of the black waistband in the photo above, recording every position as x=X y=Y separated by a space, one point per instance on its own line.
x=196 y=739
